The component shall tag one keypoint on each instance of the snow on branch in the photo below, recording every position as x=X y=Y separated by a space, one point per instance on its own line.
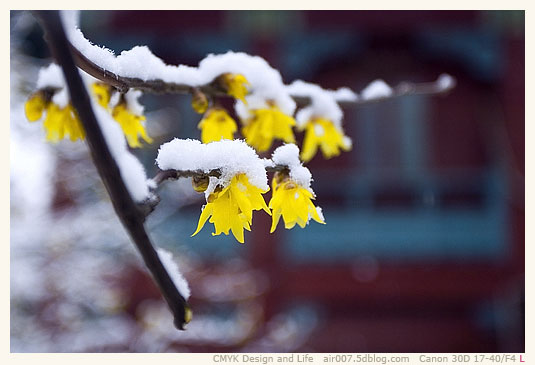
x=139 y=68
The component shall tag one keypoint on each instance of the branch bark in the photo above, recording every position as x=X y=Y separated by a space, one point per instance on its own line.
x=130 y=215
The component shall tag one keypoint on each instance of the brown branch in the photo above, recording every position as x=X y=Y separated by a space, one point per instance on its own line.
x=123 y=83
x=164 y=175
x=130 y=215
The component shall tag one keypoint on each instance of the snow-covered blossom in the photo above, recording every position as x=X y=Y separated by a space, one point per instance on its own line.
x=292 y=194
x=321 y=119
x=230 y=158
x=125 y=109
x=217 y=125
x=293 y=202
x=235 y=194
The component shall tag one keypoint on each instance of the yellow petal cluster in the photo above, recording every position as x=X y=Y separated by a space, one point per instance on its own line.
x=324 y=134
x=235 y=85
x=34 y=107
x=217 y=125
x=103 y=93
x=130 y=123
x=268 y=124
x=294 y=203
x=231 y=207
x=59 y=122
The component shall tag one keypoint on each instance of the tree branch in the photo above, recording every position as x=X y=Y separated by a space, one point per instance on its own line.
x=123 y=83
x=164 y=175
x=213 y=89
x=161 y=176
x=130 y=215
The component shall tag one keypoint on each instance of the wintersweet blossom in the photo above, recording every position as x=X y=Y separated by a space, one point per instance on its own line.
x=231 y=207
x=123 y=112
x=266 y=125
x=235 y=85
x=320 y=132
x=293 y=202
x=217 y=125
x=59 y=122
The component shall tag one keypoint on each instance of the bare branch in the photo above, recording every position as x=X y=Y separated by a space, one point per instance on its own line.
x=130 y=215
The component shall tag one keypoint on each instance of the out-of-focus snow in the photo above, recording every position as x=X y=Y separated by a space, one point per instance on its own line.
x=323 y=103
x=445 y=81
x=288 y=155
x=375 y=90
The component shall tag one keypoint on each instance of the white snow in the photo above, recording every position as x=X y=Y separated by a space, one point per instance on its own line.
x=172 y=269
x=323 y=103
x=132 y=102
x=445 y=81
x=50 y=76
x=230 y=157
x=375 y=90
x=61 y=98
x=320 y=212
x=288 y=155
x=344 y=94
x=139 y=62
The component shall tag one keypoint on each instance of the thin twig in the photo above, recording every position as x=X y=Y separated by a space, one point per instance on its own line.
x=130 y=215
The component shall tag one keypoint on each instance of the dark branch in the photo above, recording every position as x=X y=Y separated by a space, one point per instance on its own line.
x=161 y=176
x=122 y=83
x=164 y=175
x=131 y=216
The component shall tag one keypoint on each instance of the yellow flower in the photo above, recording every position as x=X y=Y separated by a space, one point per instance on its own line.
x=130 y=122
x=231 y=208
x=34 y=107
x=266 y=125
x=217 y=125
x=235 y=85
x=103 y=93
x=293 y=202
x=323 y=133
x=131 y=125
x=59 y=122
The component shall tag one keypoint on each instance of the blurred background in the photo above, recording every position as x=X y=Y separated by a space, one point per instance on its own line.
x=423 y=250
